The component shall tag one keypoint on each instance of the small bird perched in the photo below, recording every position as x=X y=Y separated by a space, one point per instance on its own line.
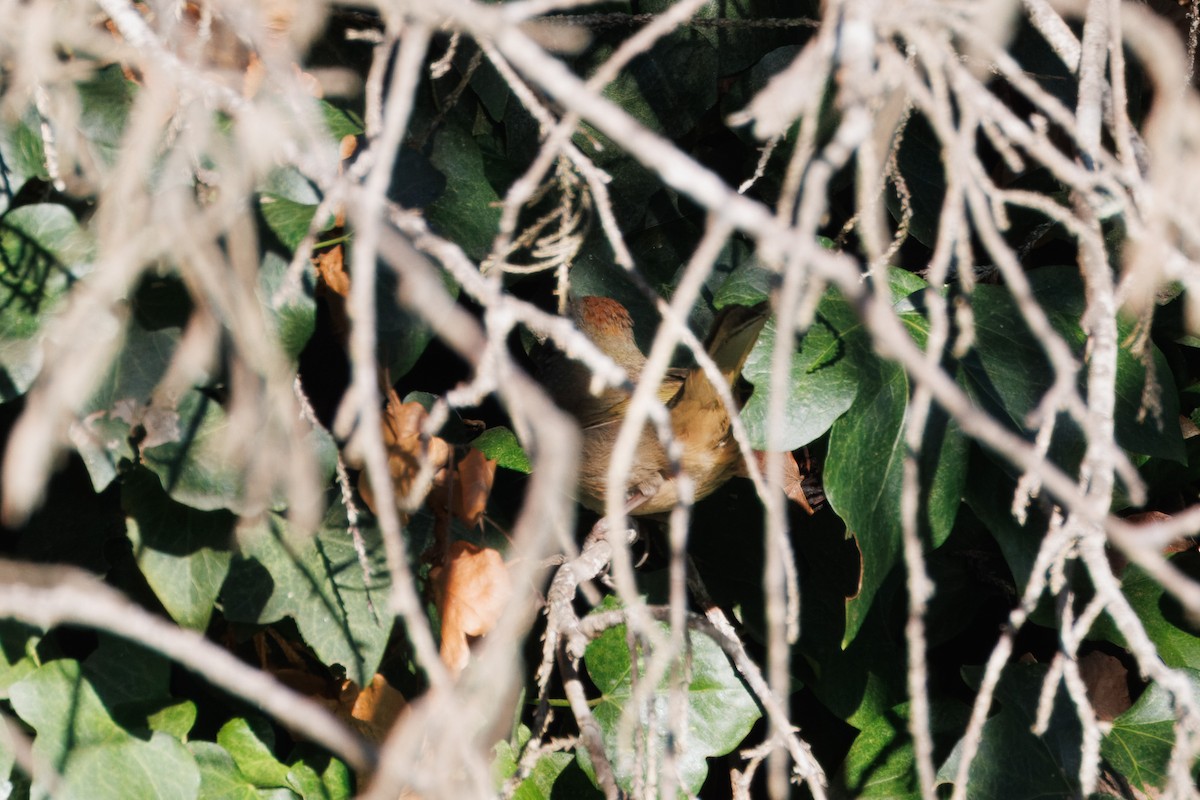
x=699 y=419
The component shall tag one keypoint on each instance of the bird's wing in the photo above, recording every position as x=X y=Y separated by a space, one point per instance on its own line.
x=609 y=408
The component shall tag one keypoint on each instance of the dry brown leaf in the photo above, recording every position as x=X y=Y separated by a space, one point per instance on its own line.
x=796 y=485
x=1117 y=559
x=373 y=709
x=331 y=268
x=472 y=589
x=1107 y=682
x=473 y=486
x=402 y=424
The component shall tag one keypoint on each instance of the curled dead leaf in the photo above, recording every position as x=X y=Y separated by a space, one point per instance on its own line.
x=472 y=589
x=800 y=486
x=407 y=450
x=474 y=479
x=331 y=268
x=371 y=709
x=1107 y=682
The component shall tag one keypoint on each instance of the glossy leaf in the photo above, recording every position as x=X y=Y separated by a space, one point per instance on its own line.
x=881 y=762
x=720 y=709
x=1176 y=637
x=1009 y=372
x=822 y=381
x=1139 y=744
x=501 y=445
x=864 y=470
x=43 y=252
x=183 y=553
x=1012 y=762
x=318 y=582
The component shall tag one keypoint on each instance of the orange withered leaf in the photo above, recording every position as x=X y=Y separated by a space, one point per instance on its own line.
x=406 y=451
x=473 y=486
x=472 y=589
x=331 y=268
x=371 y=709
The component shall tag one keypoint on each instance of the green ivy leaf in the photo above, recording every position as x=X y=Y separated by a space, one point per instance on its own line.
x=1012 y=763
x=175 y=720
x=340 y=122
x=120 y=403
x=467 y=211
x=133 y=682
x=670 y=88
x=920 y=163
x=23 y=154
x=18 y=653
x=720 y=709
x=251 y=744
x=881 y=762
x=131 y=769
x=97 y=758
x=865 y=465
x=1138 y=747
x=183 y=553
x=822 y=381
x=501 y=445
x=105 y=101
x=220 y=778
x=289 y=219
x=539 y=784
x=1176 y=638
x=748 y=285
x=317 y=581
x=190 y=457
x=43 y=252
x=316 y=776
x=292 y=309
x=1009 y=372
x=191 y=461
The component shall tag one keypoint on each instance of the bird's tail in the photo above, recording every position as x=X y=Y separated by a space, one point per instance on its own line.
x=734 y=332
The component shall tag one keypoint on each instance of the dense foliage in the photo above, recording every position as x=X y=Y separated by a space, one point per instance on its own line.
x=150 y=501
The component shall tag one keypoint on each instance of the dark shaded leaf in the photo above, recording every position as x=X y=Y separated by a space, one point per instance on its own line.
x=881 y=762
x=317 y=581
x=183 y=553
x=1012 y=762
x=467 y=210
x=864 y=469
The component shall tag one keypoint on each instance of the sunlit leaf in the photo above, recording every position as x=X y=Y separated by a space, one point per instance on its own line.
x=720 y=711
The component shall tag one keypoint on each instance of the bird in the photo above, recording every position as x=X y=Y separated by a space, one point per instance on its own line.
x=700 y=421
